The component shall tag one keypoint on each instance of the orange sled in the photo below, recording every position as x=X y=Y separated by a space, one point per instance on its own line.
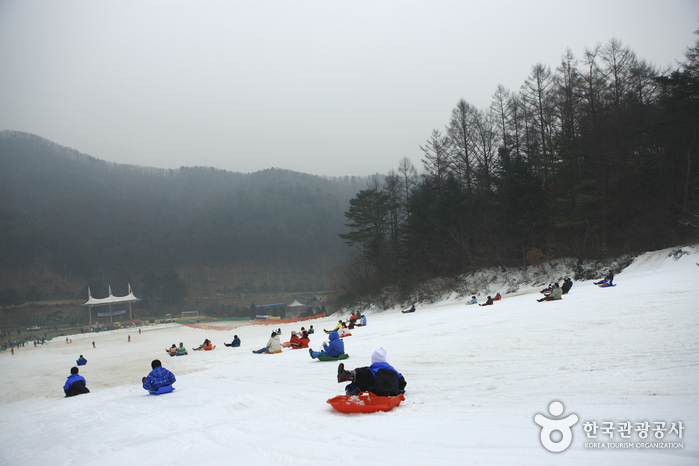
x=365 y=402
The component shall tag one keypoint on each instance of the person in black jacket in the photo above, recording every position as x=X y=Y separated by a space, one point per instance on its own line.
x=380 y=378
x=567 y=285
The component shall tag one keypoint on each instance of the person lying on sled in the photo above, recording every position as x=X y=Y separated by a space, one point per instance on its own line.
x=380 y=378
x=607 y=280
x=159 y=377
x=333 y=349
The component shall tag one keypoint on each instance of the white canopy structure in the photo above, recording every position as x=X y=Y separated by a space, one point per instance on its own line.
x=296 y=304
x=109 y=300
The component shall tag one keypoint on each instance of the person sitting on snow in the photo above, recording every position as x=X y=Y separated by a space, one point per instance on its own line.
x=488 y=302
x=497 y=297
x=339 y=325
x=380 y=378
x=295 y=340
x=273 y=345
x=333 y=349
x=181 y=350
x=203 y=345
x=352 y=321
x=567 y=285
x=607 y=280
x=81 y=361
x=172 y=351
x=235 y=343
x=311 y=330
x=75 y=384
x=159 y=377
x=547 y=290
x=554 y=295
x=473 y=300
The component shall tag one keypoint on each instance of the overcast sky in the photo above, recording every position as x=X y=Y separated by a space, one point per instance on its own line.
x=323 y=87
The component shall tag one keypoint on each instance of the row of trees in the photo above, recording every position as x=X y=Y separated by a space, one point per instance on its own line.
x=595 y=157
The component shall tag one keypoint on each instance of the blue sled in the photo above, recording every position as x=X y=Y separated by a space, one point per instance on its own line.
x=162 y=390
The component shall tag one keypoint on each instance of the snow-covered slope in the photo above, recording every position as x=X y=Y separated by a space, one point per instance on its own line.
x=476 y=376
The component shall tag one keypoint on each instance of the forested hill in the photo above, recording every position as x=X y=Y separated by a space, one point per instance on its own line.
x=68 y=219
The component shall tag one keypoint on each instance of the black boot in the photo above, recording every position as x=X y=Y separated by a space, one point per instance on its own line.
x=343 y=375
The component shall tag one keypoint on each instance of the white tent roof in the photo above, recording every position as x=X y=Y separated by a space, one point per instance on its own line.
x=111 y=299
x=296 y=304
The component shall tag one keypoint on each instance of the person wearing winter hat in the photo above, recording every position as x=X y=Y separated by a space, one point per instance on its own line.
x=75 y=385
x=380 y=378
x=274 y=345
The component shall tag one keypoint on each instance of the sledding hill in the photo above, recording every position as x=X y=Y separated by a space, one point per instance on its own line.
x=476 y=376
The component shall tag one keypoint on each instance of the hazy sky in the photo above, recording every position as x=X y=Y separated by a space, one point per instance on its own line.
x=322 y=87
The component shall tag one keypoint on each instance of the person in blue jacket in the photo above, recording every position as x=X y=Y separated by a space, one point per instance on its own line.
x=606 y=280
x=235 y=343
x=333 y=349
x=159 y=377
x=75 y=385
x=380 y=378
x=81 y=361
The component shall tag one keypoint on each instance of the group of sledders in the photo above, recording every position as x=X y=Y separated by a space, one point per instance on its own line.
x=177 y=351
x=380 y=378
x=488 y=302
x=555 y=291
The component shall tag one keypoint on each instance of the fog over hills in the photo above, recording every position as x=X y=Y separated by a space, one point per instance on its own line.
x=69 y=219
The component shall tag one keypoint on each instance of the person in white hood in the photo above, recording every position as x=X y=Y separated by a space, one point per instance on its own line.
x=380 y=378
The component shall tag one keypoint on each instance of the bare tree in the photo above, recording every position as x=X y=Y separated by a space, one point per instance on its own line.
x=436 y=161
x=459 y=135
x=500 y=108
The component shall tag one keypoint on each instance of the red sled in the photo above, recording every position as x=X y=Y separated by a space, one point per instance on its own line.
x=365 y=402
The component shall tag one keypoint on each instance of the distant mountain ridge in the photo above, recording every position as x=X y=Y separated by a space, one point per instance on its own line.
x=90 y=220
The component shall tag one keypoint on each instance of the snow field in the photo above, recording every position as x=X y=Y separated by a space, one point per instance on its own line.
x=476 y=377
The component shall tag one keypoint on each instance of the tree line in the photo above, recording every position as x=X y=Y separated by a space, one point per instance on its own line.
x=595 y=157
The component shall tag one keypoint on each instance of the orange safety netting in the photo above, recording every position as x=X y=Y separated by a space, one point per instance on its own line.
x=259 y=322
